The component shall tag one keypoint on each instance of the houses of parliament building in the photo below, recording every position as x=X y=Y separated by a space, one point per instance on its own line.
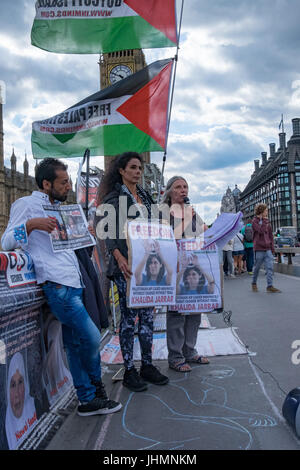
x=13 y=184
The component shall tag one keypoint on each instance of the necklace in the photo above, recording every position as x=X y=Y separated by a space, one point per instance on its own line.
x=137 y=198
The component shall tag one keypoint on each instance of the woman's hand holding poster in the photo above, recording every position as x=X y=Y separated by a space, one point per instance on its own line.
x=198 y=277
x=153 y=261
x=179 y=274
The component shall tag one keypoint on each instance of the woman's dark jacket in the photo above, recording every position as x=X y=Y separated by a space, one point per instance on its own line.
x=120 y=243
x=92 y=295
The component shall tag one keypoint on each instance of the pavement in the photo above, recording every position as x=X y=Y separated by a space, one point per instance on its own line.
x=233 y=403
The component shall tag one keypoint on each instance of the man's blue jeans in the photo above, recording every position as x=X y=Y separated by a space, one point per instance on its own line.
x=265 y=257
x=81 y=337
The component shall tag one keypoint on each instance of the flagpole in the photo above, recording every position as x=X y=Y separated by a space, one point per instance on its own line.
x=87 y=182
x=171 y=102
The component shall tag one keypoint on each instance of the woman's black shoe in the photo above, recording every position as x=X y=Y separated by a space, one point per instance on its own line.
x=133 y=381
x=152 y=374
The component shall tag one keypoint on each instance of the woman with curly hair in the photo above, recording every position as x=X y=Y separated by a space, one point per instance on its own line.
x=263 y=245
x=119 y=183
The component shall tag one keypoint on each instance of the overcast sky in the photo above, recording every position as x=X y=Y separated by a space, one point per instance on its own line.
x=238 y=71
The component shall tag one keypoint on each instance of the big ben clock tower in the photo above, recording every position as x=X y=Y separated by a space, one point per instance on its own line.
x=115 y=66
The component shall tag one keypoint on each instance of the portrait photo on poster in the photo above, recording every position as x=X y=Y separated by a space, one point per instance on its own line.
x=198 y=284
x=56 y=376
x=153 y=260
x=21 y=413
x=71 y=231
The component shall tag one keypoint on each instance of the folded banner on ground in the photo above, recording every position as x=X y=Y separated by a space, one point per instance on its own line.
x=130 y=115
x=94 y=26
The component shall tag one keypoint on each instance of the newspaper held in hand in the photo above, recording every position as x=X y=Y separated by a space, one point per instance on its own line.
x=71 y=231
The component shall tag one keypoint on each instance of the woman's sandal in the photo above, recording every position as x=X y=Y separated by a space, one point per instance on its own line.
x=199 y=360
x=180 y=367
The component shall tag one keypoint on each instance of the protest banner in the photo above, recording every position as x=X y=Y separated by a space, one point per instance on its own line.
x=71 y=232
x=18 y=286
x=152 y=257
x=199 y=287
x=92 y=27
x=94 y=180
x=22 y=398
x=31 y=352
x=56 y=377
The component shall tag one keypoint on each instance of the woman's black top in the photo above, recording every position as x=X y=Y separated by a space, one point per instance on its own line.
x=116 y=242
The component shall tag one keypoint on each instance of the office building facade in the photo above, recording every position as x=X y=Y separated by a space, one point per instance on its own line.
x=276 y=182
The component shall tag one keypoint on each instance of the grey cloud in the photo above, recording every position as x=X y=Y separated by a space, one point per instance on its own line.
x=202 y=12
x=202 y=77
x=271 y=66
x=229 y=150
x=16 y=16
x=271 y=39
x=278 y=16
x=51 y=76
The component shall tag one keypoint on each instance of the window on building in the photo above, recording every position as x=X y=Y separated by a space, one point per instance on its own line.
x=284 y=194
x=285 y=207
x=285 y=221
x=283 y=180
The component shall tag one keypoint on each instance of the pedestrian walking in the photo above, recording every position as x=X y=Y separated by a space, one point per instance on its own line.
x=247 y=232
x=228 y=258
x=238 y=253
x=263 y=243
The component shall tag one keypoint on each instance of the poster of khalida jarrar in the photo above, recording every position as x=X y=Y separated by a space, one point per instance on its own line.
x=198 y=284
x=153 y=262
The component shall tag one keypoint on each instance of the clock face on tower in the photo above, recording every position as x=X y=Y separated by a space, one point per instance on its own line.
x=119 y=72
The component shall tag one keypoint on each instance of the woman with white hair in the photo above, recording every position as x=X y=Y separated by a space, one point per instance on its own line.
x=182 y=330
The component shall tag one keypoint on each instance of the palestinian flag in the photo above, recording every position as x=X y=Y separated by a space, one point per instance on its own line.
x=94 y=26
x=130 y=115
